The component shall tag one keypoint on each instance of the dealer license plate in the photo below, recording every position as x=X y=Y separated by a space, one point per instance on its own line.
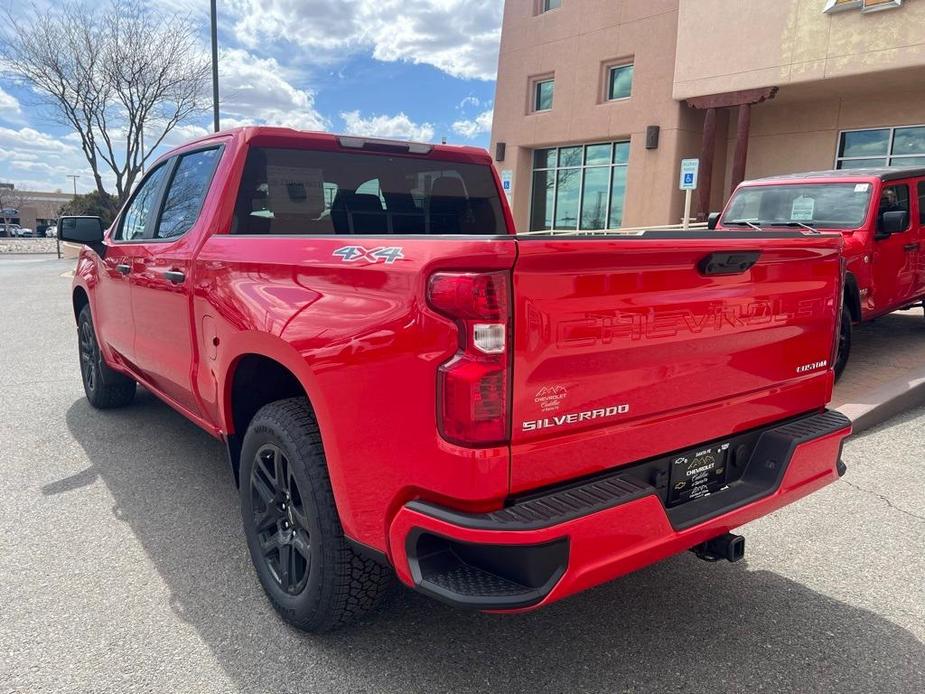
x=697 y=474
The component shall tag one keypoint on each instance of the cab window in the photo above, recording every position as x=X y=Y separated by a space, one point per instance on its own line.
x=138 y=215
x=290 y=191
x=894 y=198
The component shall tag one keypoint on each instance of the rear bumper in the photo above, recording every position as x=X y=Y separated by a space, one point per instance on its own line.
x=568 y=539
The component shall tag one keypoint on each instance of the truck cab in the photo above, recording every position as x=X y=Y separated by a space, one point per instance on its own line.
x=880 y=213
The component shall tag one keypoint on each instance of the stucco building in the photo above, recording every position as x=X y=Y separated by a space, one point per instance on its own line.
x=599 y=100
x=31 y=209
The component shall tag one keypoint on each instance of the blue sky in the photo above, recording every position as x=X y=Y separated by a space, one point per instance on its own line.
x=411 y=69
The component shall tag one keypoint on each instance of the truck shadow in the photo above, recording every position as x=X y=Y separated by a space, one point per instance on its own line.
x=682 y=625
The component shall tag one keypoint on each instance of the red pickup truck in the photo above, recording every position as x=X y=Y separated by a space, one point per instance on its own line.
x=880 y=212
x=407 y=387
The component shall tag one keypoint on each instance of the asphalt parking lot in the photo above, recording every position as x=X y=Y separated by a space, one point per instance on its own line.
x=123 y=568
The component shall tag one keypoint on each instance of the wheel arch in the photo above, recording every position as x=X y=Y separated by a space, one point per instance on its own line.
x=255 y=378
x=79 y=299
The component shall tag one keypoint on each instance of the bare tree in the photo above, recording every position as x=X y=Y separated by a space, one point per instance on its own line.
x=117 y=74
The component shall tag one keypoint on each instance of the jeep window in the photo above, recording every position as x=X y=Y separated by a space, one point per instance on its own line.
x=824 y=205
x=893 y=199
x=291 y=191
x=187 y=190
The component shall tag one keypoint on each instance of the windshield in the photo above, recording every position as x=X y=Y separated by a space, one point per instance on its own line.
x=826 y=205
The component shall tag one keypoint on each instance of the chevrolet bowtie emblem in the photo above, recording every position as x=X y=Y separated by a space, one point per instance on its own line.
x=832 y=6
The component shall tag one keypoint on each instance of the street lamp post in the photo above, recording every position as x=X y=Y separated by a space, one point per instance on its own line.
x=214 y=67
x=74 y=178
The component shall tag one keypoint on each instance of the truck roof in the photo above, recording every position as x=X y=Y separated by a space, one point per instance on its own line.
x=249 y=132
x=882 y=173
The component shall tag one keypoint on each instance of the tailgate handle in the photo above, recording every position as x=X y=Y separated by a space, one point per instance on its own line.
x=729 y=263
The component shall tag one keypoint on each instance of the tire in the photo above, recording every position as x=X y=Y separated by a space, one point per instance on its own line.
x=844 y=343
x=311 y=574
x=106 y=388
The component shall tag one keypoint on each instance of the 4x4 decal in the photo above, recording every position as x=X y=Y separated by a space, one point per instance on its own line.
x=383 y=254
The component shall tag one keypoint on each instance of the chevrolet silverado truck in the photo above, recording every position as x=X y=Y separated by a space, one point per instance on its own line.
x=405 y=386
x=880 y=212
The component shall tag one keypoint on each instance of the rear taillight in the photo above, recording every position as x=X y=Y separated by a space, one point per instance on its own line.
x=473 y=388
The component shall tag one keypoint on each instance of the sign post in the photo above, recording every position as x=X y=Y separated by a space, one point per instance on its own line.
x=690 y=169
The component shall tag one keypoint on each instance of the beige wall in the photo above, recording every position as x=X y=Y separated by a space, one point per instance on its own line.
x=835 y=72
x=802 y=135
x=575 y=42
x=783 y=42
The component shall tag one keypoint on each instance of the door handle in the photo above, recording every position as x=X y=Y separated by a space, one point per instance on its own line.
x=174 y=276
x=123 y=268
x=911 y=246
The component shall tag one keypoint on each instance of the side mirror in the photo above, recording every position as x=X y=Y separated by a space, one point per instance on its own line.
x=891 y=223
x=85 y=230
x=713 y=220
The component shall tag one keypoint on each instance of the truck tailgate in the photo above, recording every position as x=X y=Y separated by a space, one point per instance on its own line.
x=627 y=348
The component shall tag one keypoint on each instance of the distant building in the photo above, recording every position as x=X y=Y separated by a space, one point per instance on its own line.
x=34 y=209
x=599 y=100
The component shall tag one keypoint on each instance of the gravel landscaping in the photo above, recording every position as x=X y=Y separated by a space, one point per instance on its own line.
x=17 y=246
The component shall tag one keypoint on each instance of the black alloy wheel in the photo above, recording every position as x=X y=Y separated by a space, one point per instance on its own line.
x=86 y=343
x=104 y=387
x=280 y=520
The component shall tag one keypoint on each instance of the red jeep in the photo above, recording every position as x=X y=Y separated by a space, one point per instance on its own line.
x=880 y=212
x=406 y=386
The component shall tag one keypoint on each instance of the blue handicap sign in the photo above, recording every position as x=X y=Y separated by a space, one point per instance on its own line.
x=688 y=179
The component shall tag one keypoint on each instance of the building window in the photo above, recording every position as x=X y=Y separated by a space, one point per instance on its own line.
x=619 y=82
x=542 y=94
x=859 y=149
x=546 y=5
x=580 y=187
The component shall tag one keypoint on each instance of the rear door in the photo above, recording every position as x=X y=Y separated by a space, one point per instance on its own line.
x=627 y=348
x=162 y=282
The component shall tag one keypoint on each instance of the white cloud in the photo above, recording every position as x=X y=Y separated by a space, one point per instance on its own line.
x=459 y=37
x=9 y=104
x=474 y=127
x=398 y=127
x=30 y=139
x=34 y=160
x=258 y=90
x=473 y=101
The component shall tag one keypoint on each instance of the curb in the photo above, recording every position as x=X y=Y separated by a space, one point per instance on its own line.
x=887 y=401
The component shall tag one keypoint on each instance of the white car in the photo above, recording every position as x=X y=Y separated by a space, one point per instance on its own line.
x=15 y=230
x=51 y=232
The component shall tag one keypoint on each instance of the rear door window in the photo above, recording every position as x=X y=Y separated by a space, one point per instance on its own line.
x=305 y=192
